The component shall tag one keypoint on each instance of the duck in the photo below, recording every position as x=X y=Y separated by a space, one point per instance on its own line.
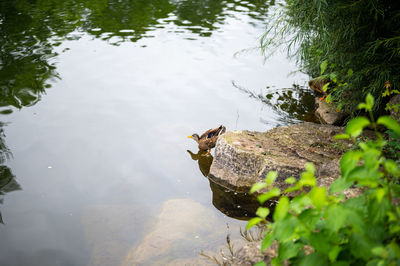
x=318 y=84
x=208 y=139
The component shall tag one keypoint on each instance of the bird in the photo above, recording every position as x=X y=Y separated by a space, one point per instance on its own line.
x=318 y=85
x=208 y=139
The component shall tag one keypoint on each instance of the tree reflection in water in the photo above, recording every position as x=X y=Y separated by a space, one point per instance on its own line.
x=7 y=179
x=291 y=104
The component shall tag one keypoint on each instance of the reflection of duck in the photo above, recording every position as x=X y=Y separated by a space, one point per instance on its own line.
x=208 y=139
x=203 y=161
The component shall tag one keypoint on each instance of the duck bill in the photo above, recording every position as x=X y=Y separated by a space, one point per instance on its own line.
x=190 y=137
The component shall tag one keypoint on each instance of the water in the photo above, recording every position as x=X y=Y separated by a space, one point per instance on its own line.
x=96 y=101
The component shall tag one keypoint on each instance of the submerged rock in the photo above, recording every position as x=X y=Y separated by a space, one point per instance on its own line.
x=184 y=228
x=243 y=158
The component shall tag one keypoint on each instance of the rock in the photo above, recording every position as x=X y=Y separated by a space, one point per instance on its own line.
x=327 y=113
x=184 y=228
x=395 y=112
x=110 y=230
x=243 y=158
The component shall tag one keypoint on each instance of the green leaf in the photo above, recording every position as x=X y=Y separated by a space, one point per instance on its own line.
x=333 y=253
x=335 y=217
x=281 y=209
x=350 y=72
x=342 y=136
x=356 y=125
x=310 y=167
x=318 y=196
x=369 y=100
x=333 y=77
x=271 y=176
x=267 y=241
x=288 y=250
x=349 y=161
x=274 y=192
x=252 y=222
x=320 y=242
x=325 y=87
x=390 y=123
x=391 y=167
x=379 y=194
x=262 y=212
x=260 y=263
x=380 y=251
x=257 y=187
x=340 y=185
x=323 y=66
x=290 y=180
x=315 y=258
x=284 y=231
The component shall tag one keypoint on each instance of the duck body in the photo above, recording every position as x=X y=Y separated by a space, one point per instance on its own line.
x=208 y=139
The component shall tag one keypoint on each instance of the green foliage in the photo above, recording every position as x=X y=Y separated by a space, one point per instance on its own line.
x=356 y=44
x=320 y=227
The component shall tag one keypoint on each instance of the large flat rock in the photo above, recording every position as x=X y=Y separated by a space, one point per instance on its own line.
x=243 y=158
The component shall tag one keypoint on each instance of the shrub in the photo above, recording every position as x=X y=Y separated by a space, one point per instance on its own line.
x=320 y=226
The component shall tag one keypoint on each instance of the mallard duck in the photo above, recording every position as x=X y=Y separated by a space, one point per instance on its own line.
x=318 y=84
x=208 y=139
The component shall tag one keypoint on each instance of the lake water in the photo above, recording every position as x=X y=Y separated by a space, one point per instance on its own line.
x=97 y=101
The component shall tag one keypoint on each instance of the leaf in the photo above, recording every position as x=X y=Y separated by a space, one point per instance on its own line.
x=290 y=180
x=267 y=241
x=285 y=230
x=333 y=77
x=252 y=222
x=349 y=161
x=356 y=125
x=390 y=123
x=281 y=209
x=333 y=253
x=274 y=192
x=323 y=66
x=257 y=187
x=335 y=217
x=391 y=167
x=320 y=242
x=369 y=100
x=325 y=87
x=262 y=212
x=350 y=72
x=318 y=196
x=288 y=250
x=342 y=136
x=315 y=258
x=340 y=185
x=271 y=176
x=379 y=194
x=260 y=263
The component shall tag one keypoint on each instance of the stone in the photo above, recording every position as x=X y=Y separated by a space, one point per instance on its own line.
x=110 y=230
x=183 y=229
x=327 y=113
x=243 y=158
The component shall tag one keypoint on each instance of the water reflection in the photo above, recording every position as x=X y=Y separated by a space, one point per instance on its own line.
x=7 y=179
x=291 y=104
x=30 y=31
x=203 y=161
x=241 y=206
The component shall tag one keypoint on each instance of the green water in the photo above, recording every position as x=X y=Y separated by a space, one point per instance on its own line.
x=96 y=101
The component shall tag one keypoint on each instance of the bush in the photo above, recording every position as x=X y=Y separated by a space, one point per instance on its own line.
x=320 y=226
x=359 y=39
